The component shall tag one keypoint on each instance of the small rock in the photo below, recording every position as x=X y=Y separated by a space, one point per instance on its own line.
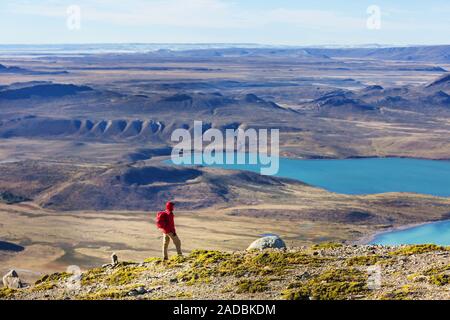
x=173 y=280
x=270 y=242
x=421 y=278
x=133 y=293
x=138 y=291
x=141 y=290
x=11 y=280
x=114 y=259
x=304 y=275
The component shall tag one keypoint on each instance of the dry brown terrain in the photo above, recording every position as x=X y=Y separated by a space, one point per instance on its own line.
x=52 y=240
x=328 y=271
x=81 y=149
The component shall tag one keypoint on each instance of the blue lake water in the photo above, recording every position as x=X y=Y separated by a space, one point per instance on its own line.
x=436 y=232
x=371 y=176
x=365 y=176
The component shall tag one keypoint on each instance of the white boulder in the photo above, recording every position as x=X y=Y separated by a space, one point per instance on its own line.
x=269 y=242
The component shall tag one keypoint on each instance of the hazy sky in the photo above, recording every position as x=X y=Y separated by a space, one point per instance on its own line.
x=220 y=21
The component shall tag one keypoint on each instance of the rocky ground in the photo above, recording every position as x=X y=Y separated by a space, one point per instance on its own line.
x=324 y=271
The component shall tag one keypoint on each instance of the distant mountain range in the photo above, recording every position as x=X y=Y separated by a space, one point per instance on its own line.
x=5 y=69
x=45 y=90
x=420 y=53
x=376 y=99
x=18 y=70
x=155 y=116
x=436 y=53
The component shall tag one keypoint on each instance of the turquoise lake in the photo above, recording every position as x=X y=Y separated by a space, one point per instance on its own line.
x=371 y=176
x=365 y=176
x=435 y=232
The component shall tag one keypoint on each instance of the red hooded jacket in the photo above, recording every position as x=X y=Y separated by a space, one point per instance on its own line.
x=165 y=219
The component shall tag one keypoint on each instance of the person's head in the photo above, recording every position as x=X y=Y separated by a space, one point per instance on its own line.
x=170 y=206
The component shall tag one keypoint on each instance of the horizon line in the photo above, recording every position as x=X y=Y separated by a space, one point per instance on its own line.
x=368 y=45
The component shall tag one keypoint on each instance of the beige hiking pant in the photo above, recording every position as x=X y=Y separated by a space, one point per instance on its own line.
x=176 y=242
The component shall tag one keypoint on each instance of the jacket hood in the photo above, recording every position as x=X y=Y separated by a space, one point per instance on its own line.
x=169 y=206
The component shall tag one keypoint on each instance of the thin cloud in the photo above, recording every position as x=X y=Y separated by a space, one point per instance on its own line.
x=225 y=21
x=193 y=13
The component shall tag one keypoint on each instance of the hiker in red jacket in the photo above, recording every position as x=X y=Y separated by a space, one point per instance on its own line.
x=165 y=222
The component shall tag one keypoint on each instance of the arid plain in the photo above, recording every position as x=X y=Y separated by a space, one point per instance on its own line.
x=83 y=137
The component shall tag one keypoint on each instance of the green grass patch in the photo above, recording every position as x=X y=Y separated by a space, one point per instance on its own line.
x=208 y=264
x=207 y=257
x=252 y=286
x=153 y=260
x=93 y=276
x=50 y=281
x=368 y=260
x=334 y=284
x=326 y=245
x=439 y=276
x=417 y=249
x=6 y=293
x=44 y=286
x=105 y=294
x=184 y=295
x=174 y=261
x=125 y=275
x=404 y=293
x=440 y=279
x=267 y=263
x=55 y=277
x=196 y=275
